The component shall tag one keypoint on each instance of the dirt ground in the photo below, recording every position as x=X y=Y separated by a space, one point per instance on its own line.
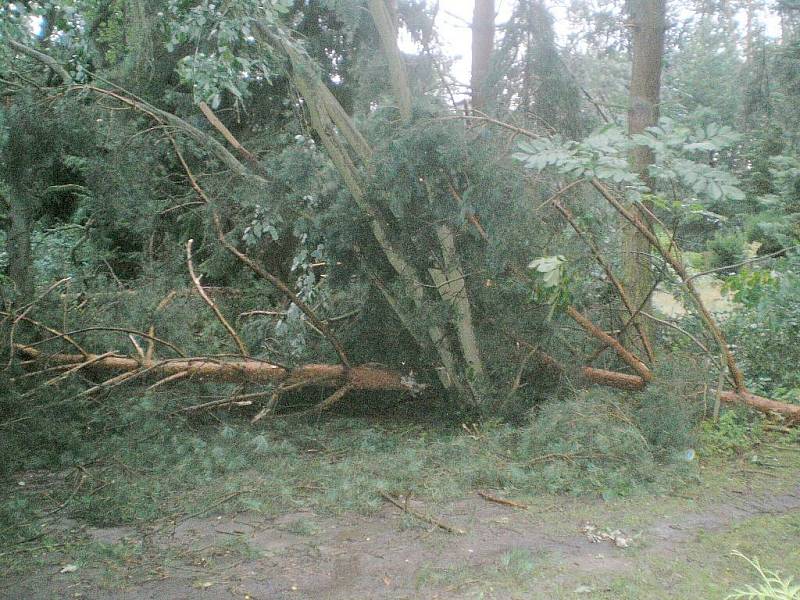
x=675 y=546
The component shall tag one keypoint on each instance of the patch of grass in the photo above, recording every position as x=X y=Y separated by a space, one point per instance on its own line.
x=517 y=565
x=304 y=527
x=513 y=572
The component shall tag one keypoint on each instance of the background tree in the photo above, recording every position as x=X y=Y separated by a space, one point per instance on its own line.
x=648 y=25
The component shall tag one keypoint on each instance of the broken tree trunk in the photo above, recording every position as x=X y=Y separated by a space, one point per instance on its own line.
x=363 y=377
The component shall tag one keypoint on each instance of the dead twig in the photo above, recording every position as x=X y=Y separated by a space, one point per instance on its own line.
x=743 y=263
x=15 y=319
x=216 y=403
x=502 y=501
x=66 y=337
x=421 y=516
x=600 y=259
x=257 y=268
x=325 y=404
x=168 y=379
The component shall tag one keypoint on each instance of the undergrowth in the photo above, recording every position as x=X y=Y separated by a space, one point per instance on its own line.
x=139 y=460
x=772 y=585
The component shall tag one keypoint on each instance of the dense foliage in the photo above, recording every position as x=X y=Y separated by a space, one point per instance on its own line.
x=269 y=132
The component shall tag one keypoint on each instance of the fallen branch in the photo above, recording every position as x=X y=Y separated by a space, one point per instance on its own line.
x=502 y=501
x=791 y=412
x=229 y=137
x=325 y=404
x=220 y=317
x=678 y=266
x=421 y=516
x=641 y=369
x=598 y=256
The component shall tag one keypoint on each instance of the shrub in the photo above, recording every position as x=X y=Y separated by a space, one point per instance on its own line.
x=773 y=236
x=726 y=249
x=766 y=331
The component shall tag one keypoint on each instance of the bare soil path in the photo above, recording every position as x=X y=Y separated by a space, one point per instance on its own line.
x=674 y=544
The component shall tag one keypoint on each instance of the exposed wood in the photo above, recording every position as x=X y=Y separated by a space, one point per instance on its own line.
x=677 y=264
x=790 y=412
x=615 y=379
x=237 y=371
x=641 y=369
x=618 y=285
x=226 y=133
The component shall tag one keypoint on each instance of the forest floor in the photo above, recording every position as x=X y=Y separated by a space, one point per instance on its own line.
x=677 y=545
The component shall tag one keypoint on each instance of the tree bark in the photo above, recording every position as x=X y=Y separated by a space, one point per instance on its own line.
x=482 y=46
x=18 y=246
x=648 y=19
x=362 y=377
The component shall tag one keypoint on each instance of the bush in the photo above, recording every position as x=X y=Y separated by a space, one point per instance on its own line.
x=726 y=249
x=733 y=432
x=766 y=330
x=773 y=236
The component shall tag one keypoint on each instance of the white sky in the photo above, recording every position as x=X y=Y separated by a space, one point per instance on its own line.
x=455 y=17
x=453 y=26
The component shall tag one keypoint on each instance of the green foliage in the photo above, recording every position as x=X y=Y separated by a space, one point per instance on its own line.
x=553 y=282
x=518 y=565
x=159 y=458
x=773 y=232
x=766 y=330
x=734 y=432
x=726 y=249
x=222 y=36
x=680 y=154
x=748 y=287
x=772 y=586
x=603 y=154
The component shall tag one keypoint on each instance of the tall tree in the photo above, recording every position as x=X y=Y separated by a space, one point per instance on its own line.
x=648 y=22
x=482 y=46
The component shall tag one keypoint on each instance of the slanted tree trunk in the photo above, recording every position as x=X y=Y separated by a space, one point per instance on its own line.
x=648 y=18
x=450 y=283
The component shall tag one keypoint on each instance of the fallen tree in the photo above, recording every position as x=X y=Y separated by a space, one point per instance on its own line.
x=362 y=377
x=357 y=378
x=413 y=283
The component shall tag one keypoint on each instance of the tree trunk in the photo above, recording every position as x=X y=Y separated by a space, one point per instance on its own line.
x=482 y=46
x=648 y=18
x=18 y=246
x=362 y=377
